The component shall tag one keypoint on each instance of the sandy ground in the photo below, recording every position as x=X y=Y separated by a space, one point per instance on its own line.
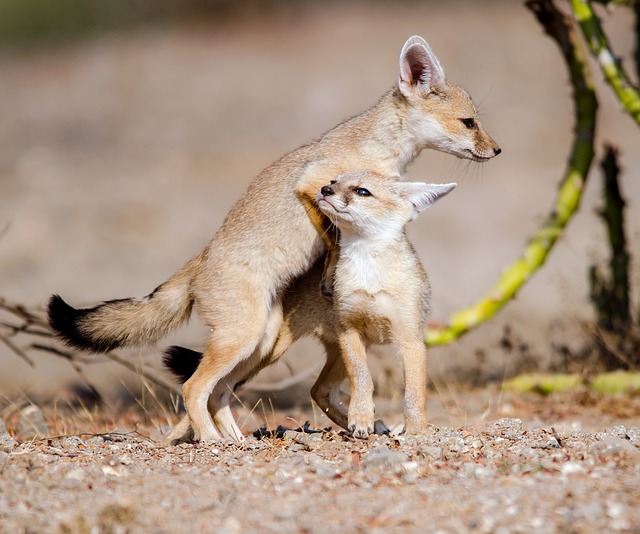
x=579 y=474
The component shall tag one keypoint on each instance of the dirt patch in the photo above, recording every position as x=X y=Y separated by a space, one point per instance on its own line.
x=505 y=475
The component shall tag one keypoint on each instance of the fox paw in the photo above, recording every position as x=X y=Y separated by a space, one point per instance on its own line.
x=361 y=426
x=415 y=424
x=414 y=430
x=360 y=432
x=207 y=437
x=187 y=437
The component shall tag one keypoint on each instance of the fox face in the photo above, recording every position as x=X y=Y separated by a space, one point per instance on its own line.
x=366 y=203
x=440 y=115
x=361 y=201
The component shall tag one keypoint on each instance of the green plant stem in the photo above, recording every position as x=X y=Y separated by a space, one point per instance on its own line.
x=636 y=10
x=619 y=318
x=567 y=201
x=615 y=75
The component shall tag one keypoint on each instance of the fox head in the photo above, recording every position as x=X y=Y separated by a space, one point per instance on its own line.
x=440 y=115
x=366 y=203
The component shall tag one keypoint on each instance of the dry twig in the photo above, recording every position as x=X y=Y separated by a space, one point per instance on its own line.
x=32 y=324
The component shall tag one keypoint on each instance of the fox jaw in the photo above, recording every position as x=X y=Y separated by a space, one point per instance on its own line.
x=440 y=115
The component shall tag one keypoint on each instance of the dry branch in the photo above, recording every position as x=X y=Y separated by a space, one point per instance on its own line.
x=16 y=350
x=32 y=323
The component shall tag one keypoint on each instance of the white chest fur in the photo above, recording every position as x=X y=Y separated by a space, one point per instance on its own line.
x=366 y=290
x=361 y=268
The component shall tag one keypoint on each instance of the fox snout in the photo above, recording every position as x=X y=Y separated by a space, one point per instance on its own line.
x=327 y=191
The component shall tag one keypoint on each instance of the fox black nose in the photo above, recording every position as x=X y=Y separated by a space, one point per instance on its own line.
x=497 y=151
x=327 y=191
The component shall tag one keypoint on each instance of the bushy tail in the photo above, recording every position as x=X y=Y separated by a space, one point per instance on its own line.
x=181 y=362
x=126 y=322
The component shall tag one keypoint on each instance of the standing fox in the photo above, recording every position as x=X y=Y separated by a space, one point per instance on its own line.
x=381 y=289
x=275 y=232
x=381 y=294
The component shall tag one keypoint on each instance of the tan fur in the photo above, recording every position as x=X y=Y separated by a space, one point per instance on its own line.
x=381 y=296
x=305 y=313
x=275 y=232
x=381 y=290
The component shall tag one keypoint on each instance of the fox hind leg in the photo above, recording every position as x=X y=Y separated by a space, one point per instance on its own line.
x=218 y=359
x=181 y=433
x=326 y=390
x=414 y=355
x=224 y=351
x=269 y=349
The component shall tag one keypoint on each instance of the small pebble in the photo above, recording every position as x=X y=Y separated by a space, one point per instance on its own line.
x=553 y=443
x=7 y=443
x=383 y=457
x=32 y=424
x=76 y=474
x=4 y=460
x=571 y=468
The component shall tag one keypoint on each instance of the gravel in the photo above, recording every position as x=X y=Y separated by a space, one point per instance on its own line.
x=503 y=477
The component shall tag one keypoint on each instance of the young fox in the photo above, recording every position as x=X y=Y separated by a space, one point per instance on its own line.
x=381 y=295
x=381 y=290
x=275 y=232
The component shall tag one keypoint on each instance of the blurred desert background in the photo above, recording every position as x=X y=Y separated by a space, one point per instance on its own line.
x=121 y=151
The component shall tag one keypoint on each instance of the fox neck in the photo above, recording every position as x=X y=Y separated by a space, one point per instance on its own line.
x=371 y=244
x=390 y=140
x=364 y=261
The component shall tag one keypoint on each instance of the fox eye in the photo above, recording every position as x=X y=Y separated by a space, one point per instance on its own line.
x=361 y=191
x=469 y=123
x=333 y=182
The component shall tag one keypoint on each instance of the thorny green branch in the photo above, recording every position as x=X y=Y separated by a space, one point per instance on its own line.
x=615 y=75
x=559 y=27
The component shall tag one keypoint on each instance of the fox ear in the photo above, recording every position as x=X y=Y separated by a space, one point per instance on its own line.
x=423 y=196
x=419 y=68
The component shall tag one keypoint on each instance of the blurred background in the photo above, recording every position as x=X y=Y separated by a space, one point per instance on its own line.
x=128 y=130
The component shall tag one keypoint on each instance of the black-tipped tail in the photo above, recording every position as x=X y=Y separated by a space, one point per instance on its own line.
x=66 y=322
x=181 y=362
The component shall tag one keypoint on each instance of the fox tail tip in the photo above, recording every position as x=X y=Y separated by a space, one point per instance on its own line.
x=66 y=323
x=62 y=318
x=181 y=362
